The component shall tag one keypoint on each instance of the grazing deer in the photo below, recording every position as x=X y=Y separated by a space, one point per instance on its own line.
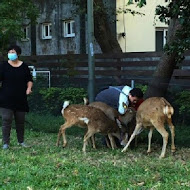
x=126 y=120
x=90 y=117
x=153 y=113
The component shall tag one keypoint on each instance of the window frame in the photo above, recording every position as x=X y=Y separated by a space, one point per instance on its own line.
x=25 y=30
x=47 y=26
x=164 y=37
x=71 y=25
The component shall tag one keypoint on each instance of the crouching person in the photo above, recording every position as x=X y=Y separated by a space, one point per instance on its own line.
x=117 y=96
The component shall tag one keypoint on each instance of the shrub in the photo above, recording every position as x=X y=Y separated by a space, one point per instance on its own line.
x=181 y=103
x=142 y=87
x=50 y=100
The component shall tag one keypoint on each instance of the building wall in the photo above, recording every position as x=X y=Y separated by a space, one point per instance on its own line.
x=55 y=12
x=140 y=30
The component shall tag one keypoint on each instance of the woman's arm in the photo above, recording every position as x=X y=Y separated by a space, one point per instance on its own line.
x=29 y=87
x=1 y=71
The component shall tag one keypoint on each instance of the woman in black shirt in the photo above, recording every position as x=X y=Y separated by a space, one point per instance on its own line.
x=17 y=83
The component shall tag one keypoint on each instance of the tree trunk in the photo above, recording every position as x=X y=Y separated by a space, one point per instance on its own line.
x=161 y=78
x=105 y=38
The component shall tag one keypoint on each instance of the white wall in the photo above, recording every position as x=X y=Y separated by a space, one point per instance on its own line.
x=140 y=30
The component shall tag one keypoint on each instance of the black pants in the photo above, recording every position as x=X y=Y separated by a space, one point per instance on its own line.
x=7 y=118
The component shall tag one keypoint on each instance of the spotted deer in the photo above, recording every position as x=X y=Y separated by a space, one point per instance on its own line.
x=91 y=118
x=126 y=121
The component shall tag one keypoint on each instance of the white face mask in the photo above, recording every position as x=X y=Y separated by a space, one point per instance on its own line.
x=12 y=56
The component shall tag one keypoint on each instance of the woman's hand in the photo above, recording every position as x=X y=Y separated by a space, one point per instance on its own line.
x=28 y=91
x=29 y=87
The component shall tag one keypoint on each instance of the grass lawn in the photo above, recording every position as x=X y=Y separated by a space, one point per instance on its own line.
x=45 y=166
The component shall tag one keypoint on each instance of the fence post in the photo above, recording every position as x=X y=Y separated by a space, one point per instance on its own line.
x=132 y=84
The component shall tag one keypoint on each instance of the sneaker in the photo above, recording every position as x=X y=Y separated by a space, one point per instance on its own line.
x=5 y=146
x=23 y=145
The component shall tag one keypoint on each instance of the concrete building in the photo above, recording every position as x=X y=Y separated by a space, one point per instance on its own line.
x=60 y=30
x=57 y=31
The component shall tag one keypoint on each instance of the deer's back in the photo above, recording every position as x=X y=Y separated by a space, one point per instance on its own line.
x=108 y=110
x=152 y=109
x=96 y=118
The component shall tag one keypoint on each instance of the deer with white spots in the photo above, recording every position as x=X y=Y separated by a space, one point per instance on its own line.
x=126 y=121
x=88 y=117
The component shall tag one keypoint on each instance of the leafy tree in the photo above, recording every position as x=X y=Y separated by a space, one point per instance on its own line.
x=13 y=14
x=176 y=15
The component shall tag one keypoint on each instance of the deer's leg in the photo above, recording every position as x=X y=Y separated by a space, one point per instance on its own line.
x=172 y=129
x=107 y=142
x=59 y=136
x=135 y=132
x=62 y=132
x=88 y=134
x=149 y=139
x=124 y=139
x=160 y=128
x=112 y=141
x=93 y=141
x=136 y=141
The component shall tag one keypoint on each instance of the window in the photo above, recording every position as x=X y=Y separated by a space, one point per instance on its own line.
x=46 y=31
x=161 y=37
x=69 y=28
x=25 y=31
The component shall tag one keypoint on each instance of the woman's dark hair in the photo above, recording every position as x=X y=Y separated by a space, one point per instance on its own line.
x=137 y=92
x=16 y=48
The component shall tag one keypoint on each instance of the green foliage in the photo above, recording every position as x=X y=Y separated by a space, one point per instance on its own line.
x=13 y=14
x=50 y=100
x=140 y=3
x=142 y=87
x=181 y=103
x=179 y=10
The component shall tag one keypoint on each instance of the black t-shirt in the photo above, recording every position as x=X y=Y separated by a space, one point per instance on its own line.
x=14 y=84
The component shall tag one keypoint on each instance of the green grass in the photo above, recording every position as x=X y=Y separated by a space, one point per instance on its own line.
x=45 y=166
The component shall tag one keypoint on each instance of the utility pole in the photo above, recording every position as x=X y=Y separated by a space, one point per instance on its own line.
x=91 y=76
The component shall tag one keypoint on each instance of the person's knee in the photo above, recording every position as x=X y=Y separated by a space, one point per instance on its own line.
x=19 y=118
x=7 y=119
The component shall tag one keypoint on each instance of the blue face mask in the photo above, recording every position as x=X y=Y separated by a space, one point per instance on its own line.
x=12 y=56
